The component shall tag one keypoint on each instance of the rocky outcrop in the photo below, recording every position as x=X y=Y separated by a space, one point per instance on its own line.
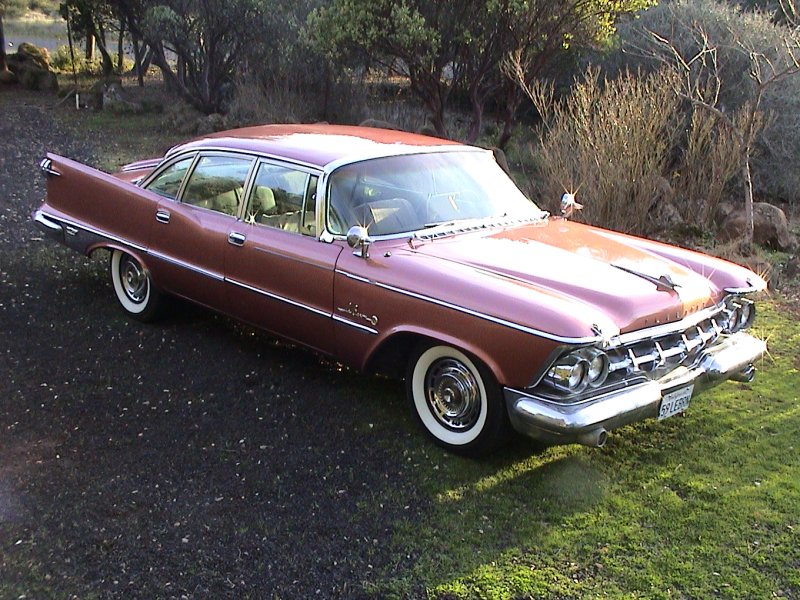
x=770 y=226
x=31 y=66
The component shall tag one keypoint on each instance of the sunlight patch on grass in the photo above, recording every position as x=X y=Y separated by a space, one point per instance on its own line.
x=705 y=504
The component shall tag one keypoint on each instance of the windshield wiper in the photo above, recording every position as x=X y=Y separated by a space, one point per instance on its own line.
x=439 y=224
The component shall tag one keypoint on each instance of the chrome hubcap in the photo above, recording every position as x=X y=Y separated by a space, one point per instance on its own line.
x=453 y=394
x=134 y=280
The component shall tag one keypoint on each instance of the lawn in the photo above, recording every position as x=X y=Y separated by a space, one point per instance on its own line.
x=706 y=504
x=703 y=505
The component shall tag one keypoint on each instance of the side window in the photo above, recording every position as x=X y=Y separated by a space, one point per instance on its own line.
x=217 y=183
x=283 y=198
x=168 y=183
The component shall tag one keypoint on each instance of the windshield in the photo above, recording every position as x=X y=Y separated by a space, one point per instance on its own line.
x=401 y=194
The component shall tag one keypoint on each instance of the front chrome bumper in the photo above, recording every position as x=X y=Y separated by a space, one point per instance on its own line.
x=587 y=421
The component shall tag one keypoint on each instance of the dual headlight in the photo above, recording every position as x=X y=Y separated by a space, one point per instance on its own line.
x=737 y=315
x=574 y=372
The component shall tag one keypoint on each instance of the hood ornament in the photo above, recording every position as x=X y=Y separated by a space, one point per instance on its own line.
x=569 y=205
x=665 y=282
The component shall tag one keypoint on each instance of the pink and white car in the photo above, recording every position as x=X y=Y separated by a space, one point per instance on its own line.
x=418 y=257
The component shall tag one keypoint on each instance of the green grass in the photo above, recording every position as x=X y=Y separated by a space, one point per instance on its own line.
x=703 y=505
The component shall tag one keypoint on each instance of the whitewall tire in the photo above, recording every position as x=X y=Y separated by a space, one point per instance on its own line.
x=456 y=399
x=134 y=287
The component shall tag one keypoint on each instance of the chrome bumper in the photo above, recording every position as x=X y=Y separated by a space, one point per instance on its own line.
x=586 y=422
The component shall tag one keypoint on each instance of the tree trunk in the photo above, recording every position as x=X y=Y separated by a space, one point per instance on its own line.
x=3 y=65
x=748 y=199
x=90 y=44
x=108 y=63
x=137 y=58
x=120 y=46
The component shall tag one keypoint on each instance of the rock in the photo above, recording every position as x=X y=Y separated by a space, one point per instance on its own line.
x=113 y=100
x=31 y=66
x=211 y=123
x=38 y=80
x=7 y=77
x=664 y=215
x=39 y=56
x=770 y=227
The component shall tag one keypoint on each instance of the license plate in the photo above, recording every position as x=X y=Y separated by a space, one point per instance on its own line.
x=675 y=402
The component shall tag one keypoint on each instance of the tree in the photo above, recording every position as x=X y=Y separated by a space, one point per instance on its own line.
x=90 y=20
x=457 y=47
x=3 y=64
x=210 y=39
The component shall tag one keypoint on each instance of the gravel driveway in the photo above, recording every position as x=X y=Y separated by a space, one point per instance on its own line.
x=192 y=458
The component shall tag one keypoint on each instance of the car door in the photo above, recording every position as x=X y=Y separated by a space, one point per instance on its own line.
x=191 y=237
x=280 y=275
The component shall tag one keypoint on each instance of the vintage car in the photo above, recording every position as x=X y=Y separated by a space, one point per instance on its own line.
x=417 y=257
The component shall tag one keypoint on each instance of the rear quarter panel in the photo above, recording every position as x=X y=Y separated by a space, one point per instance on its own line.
x=101 y=202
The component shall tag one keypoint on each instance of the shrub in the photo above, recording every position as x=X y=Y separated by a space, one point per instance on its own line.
x=611 y=141
x=62 y=61
x=634 y=151
x=734 y=34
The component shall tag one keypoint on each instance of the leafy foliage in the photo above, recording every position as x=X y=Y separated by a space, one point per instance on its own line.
x=457 y=48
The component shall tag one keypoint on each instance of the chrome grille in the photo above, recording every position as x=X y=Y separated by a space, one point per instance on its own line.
x=659 y=355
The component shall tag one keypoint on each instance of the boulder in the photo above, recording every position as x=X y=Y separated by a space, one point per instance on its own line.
x=770 y=226
x=664 y=216
x=31 y=66
x=39 y=56
x=7 y=77
x=211 y=123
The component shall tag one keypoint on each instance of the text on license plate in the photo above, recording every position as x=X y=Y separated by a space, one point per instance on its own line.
x=675 y=402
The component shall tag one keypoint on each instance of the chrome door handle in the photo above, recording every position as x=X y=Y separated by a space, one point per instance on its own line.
x=237 y=239
x=162 y=216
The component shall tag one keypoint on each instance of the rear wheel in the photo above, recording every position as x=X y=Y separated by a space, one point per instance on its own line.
x=134 y=287
x=456 y=399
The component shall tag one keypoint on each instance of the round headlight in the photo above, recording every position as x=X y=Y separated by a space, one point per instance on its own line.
x=598 y=369
x=745 y=315
x=569 y=374
x=577 y=375
x=730 y=323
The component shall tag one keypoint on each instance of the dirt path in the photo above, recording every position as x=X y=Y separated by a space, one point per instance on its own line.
x=188 y=459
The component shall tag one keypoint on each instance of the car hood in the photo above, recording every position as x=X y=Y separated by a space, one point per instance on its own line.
x=590 y=269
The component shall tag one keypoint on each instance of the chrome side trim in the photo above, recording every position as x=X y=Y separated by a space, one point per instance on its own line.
x=354 y=277
x=185 y=265
x=46 y=224
x=283 y=299
x=497 y=320
x=344 y=321
x=95 y=231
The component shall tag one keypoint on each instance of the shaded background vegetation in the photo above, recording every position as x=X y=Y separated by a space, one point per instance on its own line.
x=616 y=122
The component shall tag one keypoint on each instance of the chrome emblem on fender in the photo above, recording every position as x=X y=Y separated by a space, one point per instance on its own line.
x=352 y=310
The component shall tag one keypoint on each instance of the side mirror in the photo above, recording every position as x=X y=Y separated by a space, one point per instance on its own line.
x=358 y=238
x=569 y=205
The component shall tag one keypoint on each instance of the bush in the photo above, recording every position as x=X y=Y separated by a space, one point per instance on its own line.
x=635 y=153
x=734 y=33
x=62 y=61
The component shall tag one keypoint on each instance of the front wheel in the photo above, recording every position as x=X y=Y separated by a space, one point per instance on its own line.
x=456 y=399
x=134 y=287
